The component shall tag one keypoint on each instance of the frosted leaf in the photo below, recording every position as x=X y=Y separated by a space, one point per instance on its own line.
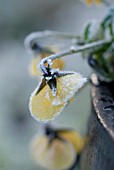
x=41 y=108
x=67 y=86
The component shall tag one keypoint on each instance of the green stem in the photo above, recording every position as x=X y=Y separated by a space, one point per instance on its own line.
x=70 y=51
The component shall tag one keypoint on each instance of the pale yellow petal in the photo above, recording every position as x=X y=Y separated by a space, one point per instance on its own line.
x=41 y=108
x=76 y=139
x=67 y=86
x=44 y=106
x=58 y=63
x=59 y=155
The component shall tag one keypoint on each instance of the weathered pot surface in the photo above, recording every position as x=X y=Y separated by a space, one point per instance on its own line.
x=99 y=152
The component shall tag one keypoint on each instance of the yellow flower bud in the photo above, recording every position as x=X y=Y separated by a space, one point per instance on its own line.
x=55 y=155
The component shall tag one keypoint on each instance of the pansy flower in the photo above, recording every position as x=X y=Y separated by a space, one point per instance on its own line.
x=57 y=149
x=53 y=93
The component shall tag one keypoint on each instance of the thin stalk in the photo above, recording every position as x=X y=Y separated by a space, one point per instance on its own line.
x=60 y=34
x=35 y=36
x=70 y=51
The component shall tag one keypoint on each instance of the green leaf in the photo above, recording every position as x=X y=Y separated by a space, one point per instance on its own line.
x=86 y=33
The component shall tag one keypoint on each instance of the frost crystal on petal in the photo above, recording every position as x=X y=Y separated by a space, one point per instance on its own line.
x=41 y=108
x=67 y=86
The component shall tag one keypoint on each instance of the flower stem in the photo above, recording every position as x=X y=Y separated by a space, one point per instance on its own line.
x=35 y=36
x=60 y=34
x=70 y=51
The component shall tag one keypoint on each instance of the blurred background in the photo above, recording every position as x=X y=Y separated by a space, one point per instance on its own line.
x=18 y=18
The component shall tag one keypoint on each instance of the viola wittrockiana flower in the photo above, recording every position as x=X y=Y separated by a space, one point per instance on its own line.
x=58 y=155
x=57 y=149
x=53 y=93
